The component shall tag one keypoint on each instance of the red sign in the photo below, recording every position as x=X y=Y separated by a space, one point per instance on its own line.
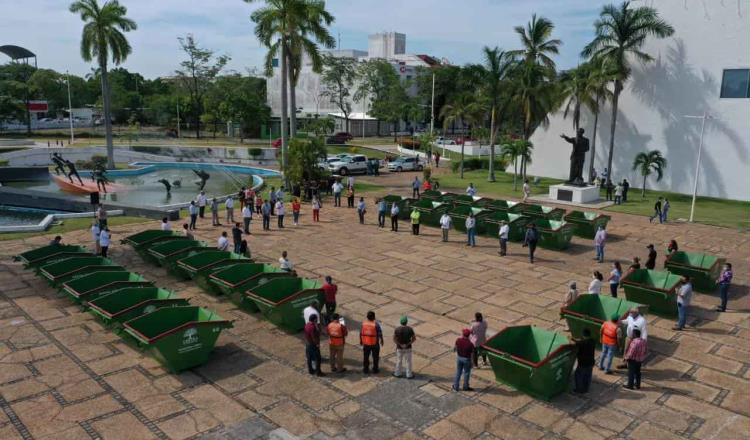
x=38 y=106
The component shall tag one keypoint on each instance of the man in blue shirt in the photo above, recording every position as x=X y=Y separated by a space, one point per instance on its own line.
x=266 y=210
x=382 y=208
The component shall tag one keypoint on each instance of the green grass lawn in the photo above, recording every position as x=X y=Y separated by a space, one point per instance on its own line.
x=355 y=149
x=708 y=210
x=74 y=224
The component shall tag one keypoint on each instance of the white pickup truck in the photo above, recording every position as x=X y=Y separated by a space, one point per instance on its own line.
x=353 y=164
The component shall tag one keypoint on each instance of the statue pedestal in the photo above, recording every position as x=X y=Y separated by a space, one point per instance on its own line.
x=574 y=194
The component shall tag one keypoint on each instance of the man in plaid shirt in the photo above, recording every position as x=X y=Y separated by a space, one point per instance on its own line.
x=635 y=355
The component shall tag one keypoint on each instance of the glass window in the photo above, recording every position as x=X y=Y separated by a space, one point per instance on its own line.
x=735 y=83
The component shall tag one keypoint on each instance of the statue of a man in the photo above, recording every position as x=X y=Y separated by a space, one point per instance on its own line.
x=577 y=157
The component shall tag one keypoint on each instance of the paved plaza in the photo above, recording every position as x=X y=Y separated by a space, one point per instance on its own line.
x=64 y=376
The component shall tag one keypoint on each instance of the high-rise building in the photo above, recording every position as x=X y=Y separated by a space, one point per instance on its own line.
x=386 y=45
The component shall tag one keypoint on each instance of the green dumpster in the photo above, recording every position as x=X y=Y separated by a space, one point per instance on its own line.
x=131 y=302
x=460 y=213
x=491 y=224
x=235 y=280
x=656 y=289
x=145 y=237
x=101 y=283
x=430 y=195
x=465 y=199
x=500 y=205
x=71 y=268
x=586 y=223
x=34 y=256
x=37 y=264
x=403 y=204
x=533 y=360
x=539 y=211
x=554 y=234
x=159 y=253
x=178 y=337
x=430 y=211
x=200 y=264
x=282 y=300
x=447 y=197
x=591 y=311
x=703 y=269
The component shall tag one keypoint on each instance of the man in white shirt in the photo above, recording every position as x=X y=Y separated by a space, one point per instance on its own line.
x=193 y=211
x=284 y=263
x=337 y=188
x=526 y=190
x=312 y=309
x=471 y=191
x=634 y=321
x=247 y=217
x=201 y=199
x=445 y=225
x=503 y=234
x=165 y=225
x=394 y=217
x=104 y=239
x=471 y=231
x=95 y=231
x=229 y=204
x=350 y=182
x=684 y=296
x=223 y=244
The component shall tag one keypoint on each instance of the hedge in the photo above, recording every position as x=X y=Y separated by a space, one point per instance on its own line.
x=476 y=163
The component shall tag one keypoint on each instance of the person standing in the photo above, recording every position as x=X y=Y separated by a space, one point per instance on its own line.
x=445 y=225
x=350 y=197
x=657 y=211
x=478 y=337
x=526 y=190
x=337 y=188
x=241 y=197
x=315 y=208
x=608 y=338
x=684 y=296
x=201 y=199
x=312 y=309
x=280 y=212
x=245 y=249
x=296 y=206
x=101 y=216
x=371 y=339
x=330 y=290
x=266 y=212
x=403 y=338
x=618 y=194
x=223 y=242
x=625 y=188
x=600 y=239
x=651 y=260
x=272 y=197
x=361 y=210
x=572 y=294
x=215 y=212
x=585 y=355
x=634 y=321
x=665 y=210
x=415 y=221
x=464 y=349
x=312 y=346
x=229 y=205
x=415 y=185
x=382 y=207
x=595 y=286
x=503 y=233
x=284 y=263
x=437 y=160
x=394 y=217
x=247 y=217
x=614 y=278
x=95 y=232
x=237 y=237
x=193 y=211
x=471 y=230
x=105 y=238
x=635 y=355
x=530 y=240
x=610 y=187
x=337 y=333
x=258 y=203
x=470 y=190
x=725 y=280
x=350 y=182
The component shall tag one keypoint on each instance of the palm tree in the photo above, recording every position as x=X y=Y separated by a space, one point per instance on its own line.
x=511 y=150
x=536 y=42
x=647 y=163
x=464 y=108
x=576 y=91
x=620 y=33
x=103 y=35
x=497 y=64
x=600 y=75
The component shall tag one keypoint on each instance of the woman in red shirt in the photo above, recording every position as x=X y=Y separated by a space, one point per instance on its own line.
x=295 y=211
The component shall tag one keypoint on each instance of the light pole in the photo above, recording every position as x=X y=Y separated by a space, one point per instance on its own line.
x=70 y=109
x=703 y=119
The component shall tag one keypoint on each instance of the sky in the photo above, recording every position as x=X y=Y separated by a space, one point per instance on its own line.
x=452 y=29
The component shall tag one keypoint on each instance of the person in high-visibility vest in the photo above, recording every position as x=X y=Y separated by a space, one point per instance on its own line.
x=608 y=338
x=415 y=222
x=371 y=339
x=337 y=339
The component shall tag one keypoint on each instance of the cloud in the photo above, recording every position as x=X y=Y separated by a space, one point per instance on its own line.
x=443 y=28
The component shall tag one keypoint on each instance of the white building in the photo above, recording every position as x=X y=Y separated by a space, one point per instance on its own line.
x=386 y=45
x=704 y=67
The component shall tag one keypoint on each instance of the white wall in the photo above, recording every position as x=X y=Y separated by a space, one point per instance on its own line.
x=684 y=79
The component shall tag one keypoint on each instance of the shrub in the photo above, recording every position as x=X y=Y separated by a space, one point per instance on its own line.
x=150 y=149
x=255 y=152
x=476 y=163
x=96 y=161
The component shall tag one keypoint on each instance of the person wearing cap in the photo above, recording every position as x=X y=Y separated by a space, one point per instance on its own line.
x=464 y=349
x=585 y=352
x=634 y=321
x=312 y=346
x=651 y=261
x=503 y=232
x=403 y=337
x=337 y=333
x=572 y=294
x=684 y=296
x=371 y=339
x=329 y=291
x=608 y=338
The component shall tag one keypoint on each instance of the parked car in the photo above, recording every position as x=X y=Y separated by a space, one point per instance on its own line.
x=341 y=137
x=444 y=141
x=405 y=164
x=353 y=164
x=276 y=143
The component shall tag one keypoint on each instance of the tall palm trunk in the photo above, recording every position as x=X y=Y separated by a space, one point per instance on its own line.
x=491 y=176
x=284 y=109
x=643 y=190
x=107 y=117
x=615 y=101
x=292 y=100
x=593 y=142
x=515 y=172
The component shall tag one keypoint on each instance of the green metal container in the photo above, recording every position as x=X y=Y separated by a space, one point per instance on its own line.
x=491 y=224
x=447 y=197
x=101 y=283
x=403 y=204
x=282 y=300
x=132 y=302
x=465 y=199
x=535 y=361
x=71 y=268
x=460 y=213
x=235 y=280
x=34 y=257
x=501 y=205
x=142 y=241
x=586 y=223
x=656 y=289
x=703 y=269
x=36 y=265
x=591 y=311
x=430 y=195
x=178 y=337
x=554 y=234
x=198 y=266
x=539 y=211
x=430 y=211
x=160 y=253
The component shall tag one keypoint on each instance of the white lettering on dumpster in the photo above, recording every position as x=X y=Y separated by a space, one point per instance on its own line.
x=190 y=336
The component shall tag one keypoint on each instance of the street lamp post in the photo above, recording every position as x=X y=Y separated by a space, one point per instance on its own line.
x=703 y=119
x=70 y=110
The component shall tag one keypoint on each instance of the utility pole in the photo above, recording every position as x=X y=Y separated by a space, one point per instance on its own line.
x=703 y=119
x=70 y=110
x=432 y=106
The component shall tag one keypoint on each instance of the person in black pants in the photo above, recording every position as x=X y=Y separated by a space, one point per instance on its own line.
x=237 y=237
x=312 y=346
x=625 y=188
x=585 y=353
x=371 y=339
x=530 y=240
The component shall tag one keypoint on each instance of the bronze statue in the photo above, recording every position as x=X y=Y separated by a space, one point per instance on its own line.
x=577 y=156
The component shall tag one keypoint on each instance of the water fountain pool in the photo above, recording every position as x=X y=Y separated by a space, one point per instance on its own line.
x=14 y=216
